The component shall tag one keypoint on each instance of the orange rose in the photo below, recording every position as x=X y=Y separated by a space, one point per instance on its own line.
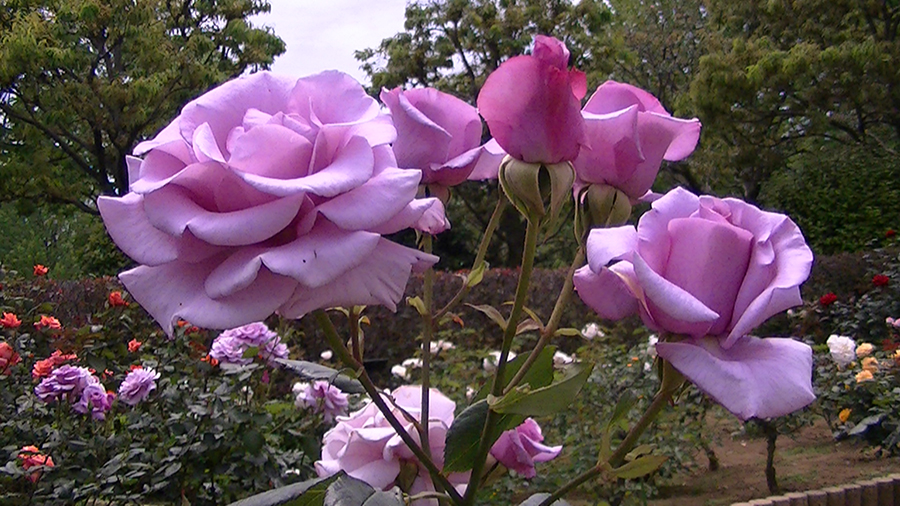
x=116 y=300
x=8 y=358
x=9 y=321
x=40 y=270
x=32 y=457
x=134 y=345
x=48 y=322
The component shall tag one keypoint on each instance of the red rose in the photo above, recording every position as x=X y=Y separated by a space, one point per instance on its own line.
x=828 y=299
x=880 y=280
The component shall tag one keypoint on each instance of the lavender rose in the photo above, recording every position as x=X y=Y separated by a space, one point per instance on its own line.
x=94 y=400
x=323 y=397
x=229 y=346
x=137 y=385
x=518 y=449
x=367 y=448
x=707 y=271
x=268 y=194
x=66 y=382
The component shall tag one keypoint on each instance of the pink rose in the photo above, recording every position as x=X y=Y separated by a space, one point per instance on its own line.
x=367 y=448
x=268 y=194
x=708 y=271
x=629 y=135
x=437 y=134
x=531 y=104
x=518 y=449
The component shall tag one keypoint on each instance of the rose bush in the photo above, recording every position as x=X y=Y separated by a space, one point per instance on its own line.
x=268 y=194
x=707 y=271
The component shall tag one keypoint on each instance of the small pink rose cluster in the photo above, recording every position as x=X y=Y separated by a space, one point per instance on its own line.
x=531 y=104
x=366 y=447
x=79 y=387
x=321 y=397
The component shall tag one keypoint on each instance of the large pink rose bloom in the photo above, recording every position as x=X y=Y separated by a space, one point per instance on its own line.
x=708 y=271
x=268 y=194
x=532 y=104
x=367 y=448
x=438 y=134
x=629 y=135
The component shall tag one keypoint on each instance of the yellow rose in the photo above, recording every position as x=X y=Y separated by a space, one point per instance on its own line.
x=844 y=415
x=864 y=375
x=864 y=350
x=870 y=364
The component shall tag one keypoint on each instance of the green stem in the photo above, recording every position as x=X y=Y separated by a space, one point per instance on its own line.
x=671 y=381
x=550 y=329
x=479 y=256
x=334 y=340
x=427 y=330
x=484 y=446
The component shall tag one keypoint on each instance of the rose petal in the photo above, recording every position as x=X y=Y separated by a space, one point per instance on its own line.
x=606 y=292
x=613 y=96
x=762 y=378
x=670 y=306
x=131 y=230
x=604 y=245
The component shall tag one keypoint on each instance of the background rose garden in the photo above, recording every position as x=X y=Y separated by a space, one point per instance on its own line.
x=176 y=442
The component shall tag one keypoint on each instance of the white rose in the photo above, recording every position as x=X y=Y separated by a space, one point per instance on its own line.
x=843 y=349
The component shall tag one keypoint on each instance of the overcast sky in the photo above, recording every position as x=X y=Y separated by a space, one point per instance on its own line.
x=322 y=34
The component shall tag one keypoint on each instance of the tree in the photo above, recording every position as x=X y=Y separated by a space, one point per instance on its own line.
x=786 y=71
x=83 y=81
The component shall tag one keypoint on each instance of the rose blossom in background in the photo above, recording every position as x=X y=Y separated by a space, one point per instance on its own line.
x=842 y=348
x=531 y=104
x=518 y=449
x=8 y=357
x=629 y=135
x=134 y=345
x=40 y=270
x=592 y=330
x=43 y=368
x=115 y=299
x=827 y=299
x=266 y=194
x=137 y=385
x=230 y=345
x=47 y=322
x=489 y=363
x=66 y=382
x=880 y=280
x=95 y=400
x=323 y=397
x=10 y=321
x=712 y=270
x=367 y=448
x=31 y=456
x=864 y=350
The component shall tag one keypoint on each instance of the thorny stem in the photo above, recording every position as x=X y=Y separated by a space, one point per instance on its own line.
x=479 y=256
x=427 y=330
x=531 y=235
x=552 y=324
x=334 y=340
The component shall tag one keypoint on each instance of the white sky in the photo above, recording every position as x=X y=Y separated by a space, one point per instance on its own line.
x=322 y=34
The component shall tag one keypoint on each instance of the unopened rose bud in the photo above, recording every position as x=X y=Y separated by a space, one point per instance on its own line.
x=600 y=206
x=532 y=187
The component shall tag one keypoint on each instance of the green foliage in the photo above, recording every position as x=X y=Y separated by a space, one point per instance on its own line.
x=206 y=435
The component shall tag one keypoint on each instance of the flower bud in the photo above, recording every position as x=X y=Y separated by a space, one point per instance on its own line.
x=600 y=205
x=531 y=187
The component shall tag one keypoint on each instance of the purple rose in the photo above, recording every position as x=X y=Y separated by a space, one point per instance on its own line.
x=229 y=346
x=518 y=449
x=95 y=400
x=531 y=104
x=629 y=135
x=67 y=382
x=268 y=194
x=325 y=398
x=437 y=134
x=707 y=271
x=137 y=385
x=367 y=448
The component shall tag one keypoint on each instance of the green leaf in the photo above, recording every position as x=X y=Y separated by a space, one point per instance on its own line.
x=418 y=304
x=547 y=400
x=567 y=332
x=306 y=493
x=492 y=313
x=347 y=491
x=251 y=352
x=313 y=371
x=528 y=326
x=539 y=375
x=392 y=497
x=639 y=467
x=464 y=435
x=639 y=452
x=477 y=274
x=253 y=441
x=537 y=499
x=534 y=317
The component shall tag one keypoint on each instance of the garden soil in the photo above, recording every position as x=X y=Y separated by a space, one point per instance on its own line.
x=808 y=459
